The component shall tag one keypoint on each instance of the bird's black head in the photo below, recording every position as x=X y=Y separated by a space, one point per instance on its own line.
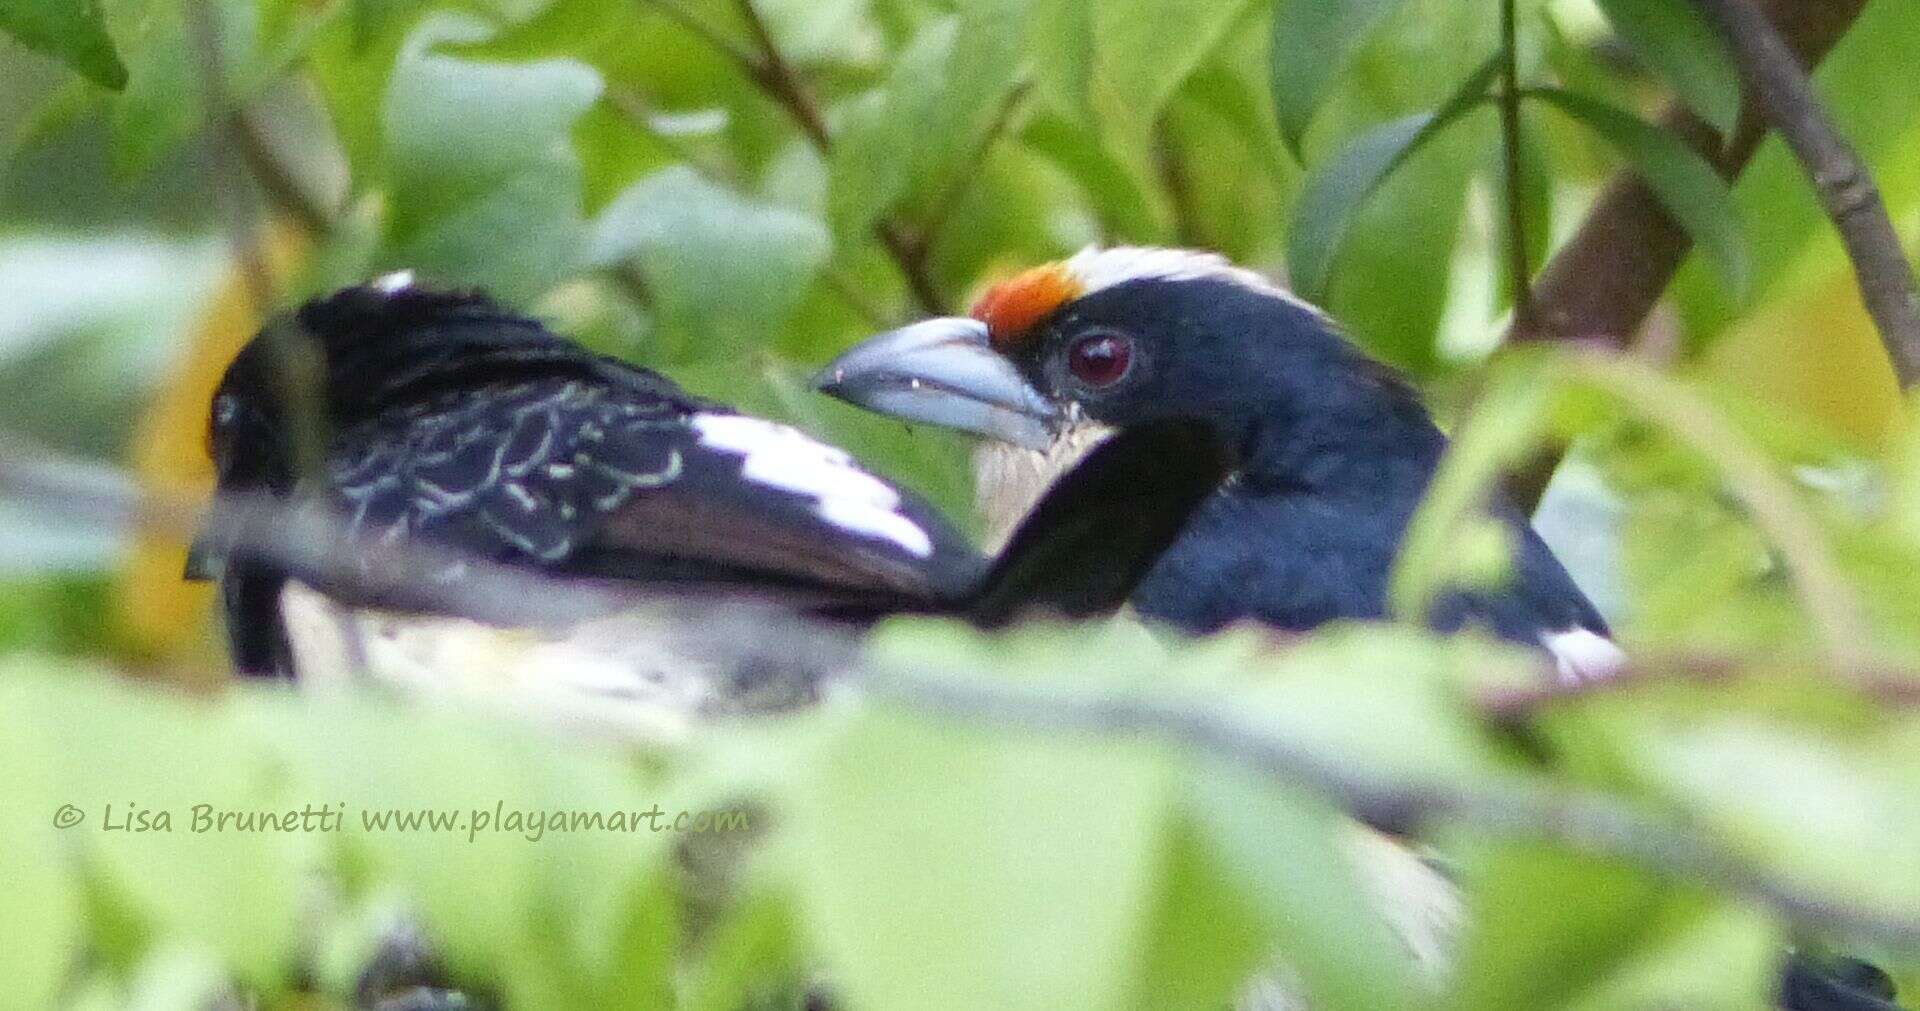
x=1124 y=336
x=346 y=357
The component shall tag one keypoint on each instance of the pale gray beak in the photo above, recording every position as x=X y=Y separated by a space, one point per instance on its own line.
x=943 y=372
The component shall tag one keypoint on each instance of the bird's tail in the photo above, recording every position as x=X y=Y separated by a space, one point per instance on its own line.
x=1097 y=531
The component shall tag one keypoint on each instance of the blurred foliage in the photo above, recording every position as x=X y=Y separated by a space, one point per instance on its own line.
x=648 y=175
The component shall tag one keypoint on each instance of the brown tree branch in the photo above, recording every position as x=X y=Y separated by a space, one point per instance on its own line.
x=1784 y=95
x=1602 y=284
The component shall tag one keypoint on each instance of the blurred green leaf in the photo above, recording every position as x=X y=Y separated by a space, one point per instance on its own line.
x=1297 y=862
x=1688 y=187
x=479 y=151
x=1312 y=44
x=1205 y=939
x=995 y=921
x=41 y=904
x=71 y=31
x=1840 y=817
x=726 y=270
x=1334 y=191
x=1143 y=50
x=913 y=134
x=1672 y=37
x=1552 y=927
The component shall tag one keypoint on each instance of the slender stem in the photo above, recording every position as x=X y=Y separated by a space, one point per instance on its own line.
x=951 y=195
x=1784 y=95
x=779 y=77
x=277 y=179
x=1178 y=186
x=769 y=69
x=1519 y=274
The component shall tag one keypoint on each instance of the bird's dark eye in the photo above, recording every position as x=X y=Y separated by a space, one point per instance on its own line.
x=1100 y=360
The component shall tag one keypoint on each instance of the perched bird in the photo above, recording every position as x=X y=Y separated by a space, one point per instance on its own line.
x=446 y=421
x=1335 y=450
x=1334 y=453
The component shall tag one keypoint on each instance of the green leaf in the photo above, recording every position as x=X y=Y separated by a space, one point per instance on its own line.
x=1313 y=41
x=951 y=867
x=480 y=151
x=1754 y=784
x=1672 y=37
x=911 y=136
x=1143 y=50
x=873 y=161
x=1334 y=191
x=41 y=904
x=726 y=272
x=71 y=31
x=1297 y=862
x=1118 y=196
x=1551 y=925
x=1372 y=698
x=1206 y=938
x=157 y=770
x=1687 y=186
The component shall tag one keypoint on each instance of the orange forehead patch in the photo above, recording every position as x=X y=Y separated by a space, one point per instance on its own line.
x=1011 y=308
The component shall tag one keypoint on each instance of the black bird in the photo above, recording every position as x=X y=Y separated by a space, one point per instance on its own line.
x=1335 y=450
x=446 y=420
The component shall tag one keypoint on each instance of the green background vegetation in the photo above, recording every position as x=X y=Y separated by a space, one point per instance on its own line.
x=1744 y=499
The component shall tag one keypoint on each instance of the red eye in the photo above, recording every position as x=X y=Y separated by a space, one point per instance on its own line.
x=1101 y=359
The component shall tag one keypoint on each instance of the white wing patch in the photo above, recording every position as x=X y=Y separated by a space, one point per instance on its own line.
x=1584 y=655
x=783 y=457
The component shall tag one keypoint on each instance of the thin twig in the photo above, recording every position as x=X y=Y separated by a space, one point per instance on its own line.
x=1847 y=191
x=315 y=546
x=1520 y=276
x=769 y=69
x=1178 y=186
x=784 y=82
x=950 y=196
x=1586 y=821
x=274 y=177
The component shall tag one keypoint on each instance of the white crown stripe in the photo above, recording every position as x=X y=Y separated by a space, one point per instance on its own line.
x=1097 y=268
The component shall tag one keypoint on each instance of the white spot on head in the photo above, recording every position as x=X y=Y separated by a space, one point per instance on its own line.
x=783 y=457
x=1097 y=268
x=1584 y=655
x=394 y=283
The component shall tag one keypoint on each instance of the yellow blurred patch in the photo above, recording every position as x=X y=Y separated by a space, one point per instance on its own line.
x=161 y=614
x=1813 y=351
